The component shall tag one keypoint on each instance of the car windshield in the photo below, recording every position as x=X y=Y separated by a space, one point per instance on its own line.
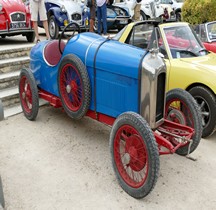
x=183 y=42
x=211 y=28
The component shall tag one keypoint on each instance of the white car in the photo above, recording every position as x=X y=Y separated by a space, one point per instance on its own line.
x=149 y=8
x=176 y=6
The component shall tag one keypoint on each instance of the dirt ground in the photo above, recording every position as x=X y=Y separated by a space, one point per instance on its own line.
x=56 y=163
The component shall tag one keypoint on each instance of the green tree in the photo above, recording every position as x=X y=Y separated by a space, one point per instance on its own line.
x=199 y=11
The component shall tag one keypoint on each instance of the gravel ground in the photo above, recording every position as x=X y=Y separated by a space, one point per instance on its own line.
x=56 y=163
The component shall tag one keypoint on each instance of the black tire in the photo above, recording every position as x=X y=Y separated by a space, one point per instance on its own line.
x=96 y=26
x=207 y=102
x=1 y=111
x=76 y=99
x=30 y=37
x=187 y=113
x=3 y=36
x=2 y=202
x=133 y=132
x=178 y=16
x=53 y=27
x=28 y=93
x=143 y=16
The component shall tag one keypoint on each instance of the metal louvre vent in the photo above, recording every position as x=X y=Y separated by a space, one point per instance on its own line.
x=160 y=96
x=17 y=17
x=76 y=17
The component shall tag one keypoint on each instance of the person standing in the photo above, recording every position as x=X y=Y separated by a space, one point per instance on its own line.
x=102 y=15
x=137 y=7
x=92 y=5
x=38 y=7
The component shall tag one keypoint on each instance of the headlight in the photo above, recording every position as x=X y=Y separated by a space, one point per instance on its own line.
x=62 y=9
x=110 y=12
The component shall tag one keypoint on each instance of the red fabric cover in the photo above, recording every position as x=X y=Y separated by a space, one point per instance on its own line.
x=52 y=54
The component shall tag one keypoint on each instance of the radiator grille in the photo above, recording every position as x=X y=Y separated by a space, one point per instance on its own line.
x=160 y=96
x=76 y=16
x=17 y=17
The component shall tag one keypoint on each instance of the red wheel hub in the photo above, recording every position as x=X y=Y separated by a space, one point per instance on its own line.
x=25 y=94
x=136 y=152
x=71 y=87
x=131 y=156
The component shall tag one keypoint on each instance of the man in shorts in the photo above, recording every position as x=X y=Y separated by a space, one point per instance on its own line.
x=38 y=6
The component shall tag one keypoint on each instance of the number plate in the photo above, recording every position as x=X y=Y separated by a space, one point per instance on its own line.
x=18 y=25
x=123 y=21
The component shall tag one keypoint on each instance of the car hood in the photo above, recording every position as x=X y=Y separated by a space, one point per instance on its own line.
x=13 y=6
x=207 y=62
x=70 y=5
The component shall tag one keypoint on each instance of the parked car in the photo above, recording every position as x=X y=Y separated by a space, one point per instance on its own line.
x=166 y=4
x=207 y=33
x=15 y=20
x=117 y=18
x=174 y=8
x=189 y=65
x=149 y=9
x=61 y=12
x=123 y=88
x=177 y=6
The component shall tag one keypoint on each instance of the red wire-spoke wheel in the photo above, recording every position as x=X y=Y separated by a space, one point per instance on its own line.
x=74 y=86
x=28 y=94
x=135 y=155
x=182 y=108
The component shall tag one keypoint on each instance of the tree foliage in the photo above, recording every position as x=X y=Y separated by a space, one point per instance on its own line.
x=199 y=11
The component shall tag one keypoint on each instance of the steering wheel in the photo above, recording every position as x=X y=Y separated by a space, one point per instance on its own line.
x=72 y=25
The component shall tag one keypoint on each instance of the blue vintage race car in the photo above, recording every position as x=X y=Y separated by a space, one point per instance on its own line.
x=121 y=86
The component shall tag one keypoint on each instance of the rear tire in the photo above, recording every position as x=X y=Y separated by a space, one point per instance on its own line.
x=30 y=37
x=207 y=102
x=53 y=28
x=183 y=109
x=74 y=86
x=143 y=16
x=135 y=156
x=28 y=94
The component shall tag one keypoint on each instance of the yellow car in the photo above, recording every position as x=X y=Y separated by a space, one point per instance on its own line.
x=189 y=65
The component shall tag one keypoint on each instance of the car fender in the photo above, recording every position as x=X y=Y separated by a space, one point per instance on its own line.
x=59 y=16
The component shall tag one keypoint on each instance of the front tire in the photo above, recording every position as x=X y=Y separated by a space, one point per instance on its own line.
x=143 y=16
x=53 y=28
x=30 y=37
x=182 y=108
x=207 y=102
x=74 y=86
x=135 y=156
x=178 y=16
x=28 y=94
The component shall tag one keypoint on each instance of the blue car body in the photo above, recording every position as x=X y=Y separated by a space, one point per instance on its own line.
x=119 y=78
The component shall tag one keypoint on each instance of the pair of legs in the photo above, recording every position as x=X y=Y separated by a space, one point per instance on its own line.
x=35 y=9
x=102 y=15
x=137 y=12
x=45 y=25
x=92 y=18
